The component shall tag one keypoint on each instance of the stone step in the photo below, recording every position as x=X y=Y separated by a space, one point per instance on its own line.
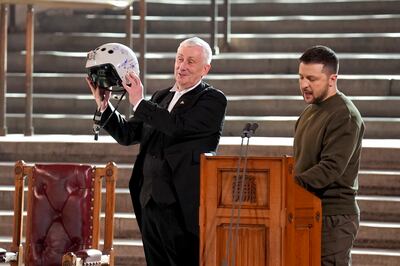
x=375 y=257
x=244 y=24
x=279 y=105
x=230 y=84
x=58 y=103
x=65 y=148
x=383 y=235
x=388 y=150
x=225 y=63
x=268 y=8
x=262 y=7
x=375 y=208
x=269 y=126
x=7 y=173
x=369 y=106
x=268 y=42
x=379 y=183
x=82 y=148
x=371 y=182
x=299 y=42
x=379 y=208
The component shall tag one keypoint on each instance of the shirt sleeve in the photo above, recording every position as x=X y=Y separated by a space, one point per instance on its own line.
x=137 y=104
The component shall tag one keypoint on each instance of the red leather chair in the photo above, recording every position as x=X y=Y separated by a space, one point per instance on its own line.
x=63 y=215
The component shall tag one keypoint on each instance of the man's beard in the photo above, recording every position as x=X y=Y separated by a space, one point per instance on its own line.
x=321 y=98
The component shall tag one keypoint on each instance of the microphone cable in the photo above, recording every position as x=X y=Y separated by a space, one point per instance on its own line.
x=245 y=134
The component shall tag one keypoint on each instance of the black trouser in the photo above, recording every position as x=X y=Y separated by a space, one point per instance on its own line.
x=165 y=240
x=338 y=234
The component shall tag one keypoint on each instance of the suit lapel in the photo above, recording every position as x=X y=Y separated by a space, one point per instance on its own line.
x=188 y=98
x=166 y=100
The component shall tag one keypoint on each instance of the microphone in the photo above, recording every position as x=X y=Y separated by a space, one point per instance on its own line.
x=249 y=130
x=252 y=129
x=246 y=130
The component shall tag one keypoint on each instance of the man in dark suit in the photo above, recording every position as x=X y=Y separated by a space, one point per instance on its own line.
x=173 y=128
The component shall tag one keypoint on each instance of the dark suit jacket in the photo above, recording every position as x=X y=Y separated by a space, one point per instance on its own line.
x=194 y=126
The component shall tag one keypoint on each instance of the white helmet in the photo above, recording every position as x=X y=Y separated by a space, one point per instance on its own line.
x=108 y=64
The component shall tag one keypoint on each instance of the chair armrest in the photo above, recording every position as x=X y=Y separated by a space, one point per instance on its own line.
x=7 y=256
x=85 y=257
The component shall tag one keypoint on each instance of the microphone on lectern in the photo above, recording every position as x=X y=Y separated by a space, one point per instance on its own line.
x=252 y=129
x=237 y=198
x=245 y=131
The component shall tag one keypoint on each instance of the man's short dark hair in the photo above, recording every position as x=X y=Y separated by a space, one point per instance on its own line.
x=320 y=54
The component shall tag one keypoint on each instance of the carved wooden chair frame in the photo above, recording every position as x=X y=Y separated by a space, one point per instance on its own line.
x=90 y=256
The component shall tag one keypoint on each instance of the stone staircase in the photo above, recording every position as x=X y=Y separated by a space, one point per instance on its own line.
x=377 y=243
x=258 y=75
x=267 y=60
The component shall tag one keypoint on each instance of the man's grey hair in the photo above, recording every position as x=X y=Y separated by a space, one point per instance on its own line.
x=196 y=41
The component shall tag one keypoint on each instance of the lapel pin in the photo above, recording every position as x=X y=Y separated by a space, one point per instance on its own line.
x=182 y=102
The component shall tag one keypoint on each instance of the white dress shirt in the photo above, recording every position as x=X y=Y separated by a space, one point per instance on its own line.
x=178 y=94
x=176 y=97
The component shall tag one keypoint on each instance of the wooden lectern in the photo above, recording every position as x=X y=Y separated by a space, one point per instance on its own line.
x=280 y=222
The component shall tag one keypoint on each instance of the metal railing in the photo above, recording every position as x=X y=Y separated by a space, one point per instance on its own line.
x=121 y=4
x=226 y=26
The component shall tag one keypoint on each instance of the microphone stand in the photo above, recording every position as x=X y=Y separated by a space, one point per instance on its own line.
x=247 y=132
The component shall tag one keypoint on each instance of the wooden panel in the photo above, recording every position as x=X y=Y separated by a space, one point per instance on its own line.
x=260 y=233
x=256 y=190
x=308 y=227
x=302 y=250
x=250 y=247
x=303 y=224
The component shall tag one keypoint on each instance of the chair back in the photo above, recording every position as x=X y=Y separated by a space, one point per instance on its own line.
x=63 y=210
x=61 y=199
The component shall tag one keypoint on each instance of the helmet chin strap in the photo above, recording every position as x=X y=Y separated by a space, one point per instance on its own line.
x=97 y=118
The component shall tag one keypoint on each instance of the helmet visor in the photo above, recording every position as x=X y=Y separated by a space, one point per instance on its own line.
x=105 y=77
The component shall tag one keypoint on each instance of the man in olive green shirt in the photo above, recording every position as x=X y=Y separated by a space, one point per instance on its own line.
x=327 y=149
